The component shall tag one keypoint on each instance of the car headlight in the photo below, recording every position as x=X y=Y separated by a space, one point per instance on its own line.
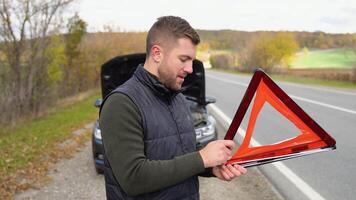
x=97 y=133
x=206 y=130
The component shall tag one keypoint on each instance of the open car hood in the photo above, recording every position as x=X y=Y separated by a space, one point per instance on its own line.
x=119 y=69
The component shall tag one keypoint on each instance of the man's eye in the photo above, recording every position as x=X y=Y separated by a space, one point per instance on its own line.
x=183 y=60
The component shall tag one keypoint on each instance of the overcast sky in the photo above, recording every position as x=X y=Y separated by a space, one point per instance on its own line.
x=335 y=16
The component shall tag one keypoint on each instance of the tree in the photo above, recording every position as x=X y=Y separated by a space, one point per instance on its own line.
x=26 y=30
x=76 y=30
x=271 y=51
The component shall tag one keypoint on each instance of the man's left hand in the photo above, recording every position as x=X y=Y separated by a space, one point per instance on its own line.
x=228 y=172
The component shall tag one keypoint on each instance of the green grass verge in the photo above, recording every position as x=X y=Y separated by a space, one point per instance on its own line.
x=301 y=80
x=332 y=58
x=31 y=139
x=316 y=82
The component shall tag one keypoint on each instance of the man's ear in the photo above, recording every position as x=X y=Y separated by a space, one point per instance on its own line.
x=156 y=53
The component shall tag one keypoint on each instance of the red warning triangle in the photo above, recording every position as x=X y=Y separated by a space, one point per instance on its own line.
x=312 y=138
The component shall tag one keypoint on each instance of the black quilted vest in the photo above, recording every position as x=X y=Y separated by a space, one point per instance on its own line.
x=168 y=132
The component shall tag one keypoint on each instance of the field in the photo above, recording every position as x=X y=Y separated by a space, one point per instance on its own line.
x=331 y=58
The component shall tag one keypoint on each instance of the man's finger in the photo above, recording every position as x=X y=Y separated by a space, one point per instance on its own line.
x=241 y=169
x=227 y=171
x=229 y=143
x=227 y=152
x=223 y=173
x=233 y=170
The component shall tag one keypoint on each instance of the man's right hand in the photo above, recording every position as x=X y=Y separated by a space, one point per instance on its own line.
x=217 y=152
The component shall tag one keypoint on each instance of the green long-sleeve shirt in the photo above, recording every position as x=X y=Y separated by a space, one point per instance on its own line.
x=122 y=132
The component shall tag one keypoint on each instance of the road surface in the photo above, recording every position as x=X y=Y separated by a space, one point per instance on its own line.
x=330 y=175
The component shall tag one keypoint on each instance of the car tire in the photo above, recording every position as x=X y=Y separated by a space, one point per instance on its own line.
x=99 y=171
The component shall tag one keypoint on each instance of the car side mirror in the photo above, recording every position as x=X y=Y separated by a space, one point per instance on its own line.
x=98 y=103
x=209 y=100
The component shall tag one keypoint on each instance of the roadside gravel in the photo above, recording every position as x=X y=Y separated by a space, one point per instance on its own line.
x=75 y=178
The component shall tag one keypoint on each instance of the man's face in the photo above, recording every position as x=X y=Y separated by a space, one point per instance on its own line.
x=177 y=63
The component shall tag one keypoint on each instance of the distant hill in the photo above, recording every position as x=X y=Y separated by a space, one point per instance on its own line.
x=228 y=39
x=238 y=40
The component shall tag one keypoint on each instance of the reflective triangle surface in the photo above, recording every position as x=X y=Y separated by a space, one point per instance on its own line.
x=311 y=138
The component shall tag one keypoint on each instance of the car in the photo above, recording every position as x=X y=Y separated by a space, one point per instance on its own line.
x=119 y=69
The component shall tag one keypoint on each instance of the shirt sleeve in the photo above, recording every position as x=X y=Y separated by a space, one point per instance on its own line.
x=122 y=133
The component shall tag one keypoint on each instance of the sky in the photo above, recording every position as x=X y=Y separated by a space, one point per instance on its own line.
x=332 y=16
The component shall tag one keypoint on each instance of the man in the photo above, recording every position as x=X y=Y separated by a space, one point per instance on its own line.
x=148 y=134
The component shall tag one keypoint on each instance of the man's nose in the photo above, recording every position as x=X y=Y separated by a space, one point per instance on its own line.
x=189 y=68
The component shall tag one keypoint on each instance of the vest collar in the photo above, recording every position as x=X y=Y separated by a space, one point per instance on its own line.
x=153 y=83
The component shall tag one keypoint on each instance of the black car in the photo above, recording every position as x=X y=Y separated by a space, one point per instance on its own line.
x=119 y=69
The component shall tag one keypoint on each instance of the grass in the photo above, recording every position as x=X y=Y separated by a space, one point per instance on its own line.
x=32 y=140
x=332 y=58
x=316 y=82
x=300 y=80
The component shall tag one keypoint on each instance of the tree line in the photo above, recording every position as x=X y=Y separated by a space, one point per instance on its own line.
x=267 y=49
x=45 y=57
x=240 y=40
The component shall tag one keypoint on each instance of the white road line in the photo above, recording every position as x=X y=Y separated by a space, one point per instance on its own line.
x=330 y=90
x=321 y=89
x=304 y=187
x=323 y=104
x=227 y=81
x=294 y=97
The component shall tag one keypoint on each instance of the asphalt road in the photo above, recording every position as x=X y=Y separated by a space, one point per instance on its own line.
x=330 y=175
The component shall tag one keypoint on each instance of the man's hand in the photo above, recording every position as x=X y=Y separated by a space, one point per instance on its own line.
x=228 y=172
x=217 y=152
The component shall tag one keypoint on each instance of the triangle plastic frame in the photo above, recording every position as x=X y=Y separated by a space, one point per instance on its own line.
x=313 y=138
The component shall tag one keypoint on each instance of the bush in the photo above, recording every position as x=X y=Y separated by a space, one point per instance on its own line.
x=268 y=52
x=222 y=61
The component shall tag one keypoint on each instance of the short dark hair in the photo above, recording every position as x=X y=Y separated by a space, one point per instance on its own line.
x=170 y=28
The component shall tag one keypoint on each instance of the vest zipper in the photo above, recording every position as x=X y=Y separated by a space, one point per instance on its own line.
x=175 y=122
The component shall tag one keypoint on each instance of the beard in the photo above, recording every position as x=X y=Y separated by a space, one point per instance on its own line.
x=169 y=79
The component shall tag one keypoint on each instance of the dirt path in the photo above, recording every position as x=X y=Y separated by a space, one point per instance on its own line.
x=73 y=178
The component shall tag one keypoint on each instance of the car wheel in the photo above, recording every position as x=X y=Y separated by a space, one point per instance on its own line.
x=99 y=171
